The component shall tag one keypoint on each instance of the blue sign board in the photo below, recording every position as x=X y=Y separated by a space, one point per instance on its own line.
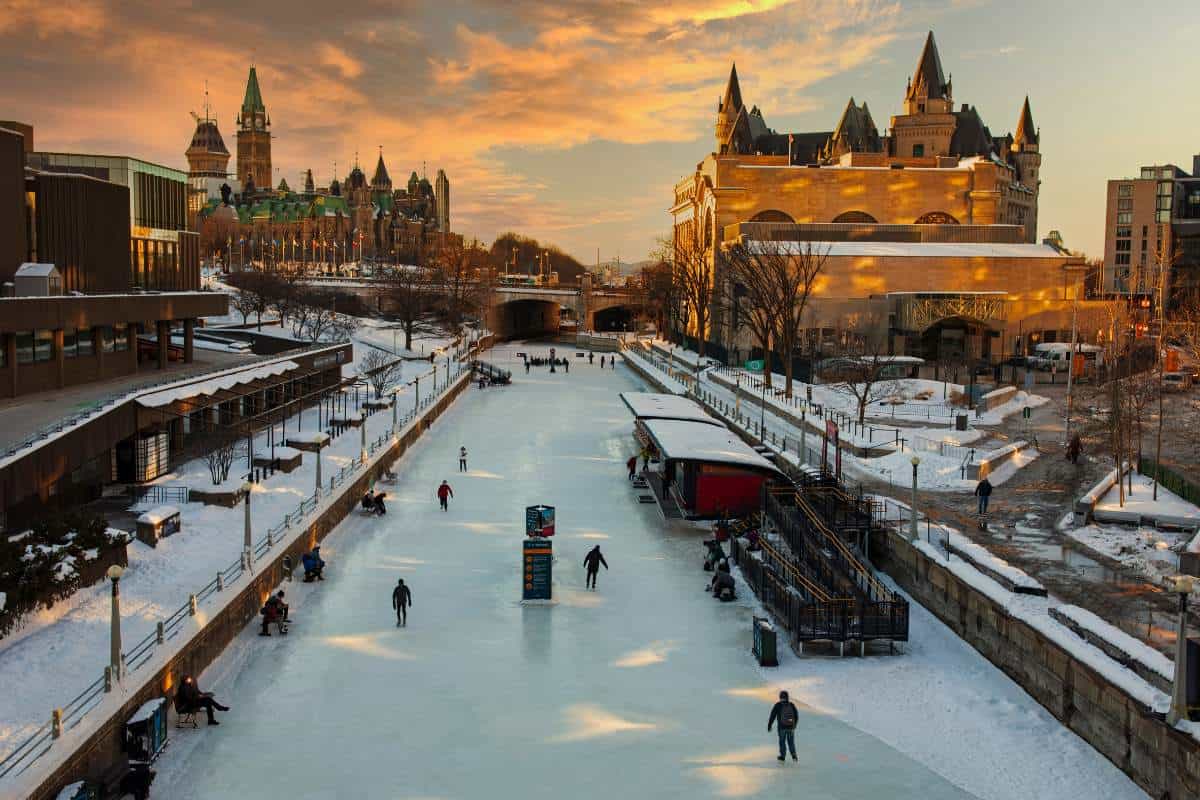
x=536 y=571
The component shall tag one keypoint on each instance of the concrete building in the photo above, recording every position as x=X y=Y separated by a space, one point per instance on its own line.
x=1153 y=220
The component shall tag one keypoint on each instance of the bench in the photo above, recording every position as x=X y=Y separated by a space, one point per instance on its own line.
x=186 y=714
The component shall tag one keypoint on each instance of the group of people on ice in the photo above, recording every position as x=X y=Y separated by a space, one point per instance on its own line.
x=372 y=503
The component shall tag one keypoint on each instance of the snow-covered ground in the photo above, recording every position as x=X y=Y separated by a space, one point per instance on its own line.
x=1141 y=502
x=644 y=688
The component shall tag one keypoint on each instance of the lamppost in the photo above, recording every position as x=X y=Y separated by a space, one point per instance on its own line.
x=803 y=437
x=116 y=661
x=318 y=490
x=762 y=417
x=247 y=544
x=395 y=402
x=362 y=427
x=1181 y=585
x=912 y=528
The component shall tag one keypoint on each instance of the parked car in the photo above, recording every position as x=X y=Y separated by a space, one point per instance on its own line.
x=1177 y=382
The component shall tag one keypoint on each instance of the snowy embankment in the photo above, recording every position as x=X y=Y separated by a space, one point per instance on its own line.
x=66 y=647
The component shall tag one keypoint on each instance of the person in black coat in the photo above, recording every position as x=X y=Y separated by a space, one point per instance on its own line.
x=190 y=697
x=983 y=490
x=592 y=562
x=787 y=715
x=380 y=508
x=401 y=600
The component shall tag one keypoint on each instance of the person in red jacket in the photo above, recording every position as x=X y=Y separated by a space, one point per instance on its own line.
x=444 y=494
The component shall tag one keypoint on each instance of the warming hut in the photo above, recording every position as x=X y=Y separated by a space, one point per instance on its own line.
x=649 y=405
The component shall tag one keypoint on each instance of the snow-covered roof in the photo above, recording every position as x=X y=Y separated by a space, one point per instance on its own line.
x=689 y=440
x=648 y=405
x=146 y=711
x=912 y=249
x=214 y=385
x=31 y=270
x=157 y=514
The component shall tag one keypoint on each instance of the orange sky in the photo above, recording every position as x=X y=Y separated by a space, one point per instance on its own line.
x=568 y=121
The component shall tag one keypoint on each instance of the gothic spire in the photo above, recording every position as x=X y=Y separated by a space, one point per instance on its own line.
x=381 y=178
x=1026 y=133
x=929 y=75
x=733 y=94
x=253 y=101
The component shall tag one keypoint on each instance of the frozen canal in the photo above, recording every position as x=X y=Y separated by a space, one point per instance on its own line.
x=642 y=689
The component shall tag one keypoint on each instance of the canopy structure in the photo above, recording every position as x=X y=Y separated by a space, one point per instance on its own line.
x=651 y=406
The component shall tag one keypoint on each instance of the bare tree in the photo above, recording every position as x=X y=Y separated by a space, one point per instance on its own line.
x=659 y=292
x=860 y=371
x=411 y=296
x=751 y=297
x=342 y=328
x=381 y=369
x=693 y=271
x=221 y=445
x=458 y=271
x=794 y=277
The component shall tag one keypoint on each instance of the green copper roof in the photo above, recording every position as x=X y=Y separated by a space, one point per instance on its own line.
x=253 y=101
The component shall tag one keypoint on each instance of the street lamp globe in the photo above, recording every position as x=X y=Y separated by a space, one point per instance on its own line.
x=115 y=572
x=916 y=461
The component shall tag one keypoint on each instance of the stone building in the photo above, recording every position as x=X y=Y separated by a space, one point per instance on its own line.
x=243 y=221
x=933 y=214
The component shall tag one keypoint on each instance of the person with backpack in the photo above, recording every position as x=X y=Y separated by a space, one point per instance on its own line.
x=401 y=600
x=787 y=715
x=592 y=562
x=444 y=493
x=983 y=491
x=462 y=459
x=631 y=465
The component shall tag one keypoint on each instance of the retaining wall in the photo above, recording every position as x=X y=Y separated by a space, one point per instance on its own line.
x=103 y=747
x=1163 y=761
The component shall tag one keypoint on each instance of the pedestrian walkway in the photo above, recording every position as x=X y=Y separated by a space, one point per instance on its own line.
x=643 y=688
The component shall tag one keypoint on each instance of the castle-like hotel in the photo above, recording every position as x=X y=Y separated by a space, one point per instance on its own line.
x=246 y=220
x=931 y=225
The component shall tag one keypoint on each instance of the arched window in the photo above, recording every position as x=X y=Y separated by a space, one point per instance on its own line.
x=856 y=216
x=936 y=218
x=771 y=215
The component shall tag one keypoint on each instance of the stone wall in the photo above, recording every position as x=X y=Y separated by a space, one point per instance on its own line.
x=1162 y=760
x=103 y=747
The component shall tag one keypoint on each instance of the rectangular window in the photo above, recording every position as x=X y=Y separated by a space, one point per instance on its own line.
x=1126 y=232
x=1163 y=215
x=43 y=345
x=1147 y=172
x=1166 y=189
x=1143 y=244
x=918 y=150
x=1122 y=244
x=1125 y=190
x=24 y=347
x=1122 y=258
x=1124 y=217
x=84 y=343
x=1166 y=173
x=69 y=350
x=106 y=339
x=121 y=336
x=1125 y=205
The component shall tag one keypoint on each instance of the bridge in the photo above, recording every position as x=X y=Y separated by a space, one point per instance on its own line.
x=520 y=311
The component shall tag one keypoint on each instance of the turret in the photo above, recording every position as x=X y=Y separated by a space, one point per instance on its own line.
x=727 y=109
x=1024 y=153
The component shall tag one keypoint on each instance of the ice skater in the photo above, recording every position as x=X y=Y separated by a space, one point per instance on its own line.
x=444 y=493
x=462 y=459
x=379 y=508
x=592 y=562
x=601 y=362
x=401 y=600
x=591 y=358
x=787 y=715
x=631 y=465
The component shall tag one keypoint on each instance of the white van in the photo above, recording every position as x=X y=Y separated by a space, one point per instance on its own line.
x=1057 y=355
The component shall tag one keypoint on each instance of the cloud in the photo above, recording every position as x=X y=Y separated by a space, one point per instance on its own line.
x=447 y=87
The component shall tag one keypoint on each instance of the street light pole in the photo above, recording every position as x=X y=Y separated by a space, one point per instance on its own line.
x=116 y=661
x=912 y=528
x=318 y=490
x=1181 y=585
x=247 y=543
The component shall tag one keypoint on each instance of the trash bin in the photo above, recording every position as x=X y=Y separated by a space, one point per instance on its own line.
x=960 y=422
x=764 y=642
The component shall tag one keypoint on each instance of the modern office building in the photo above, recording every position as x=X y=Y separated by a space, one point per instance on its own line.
x=162 y=253
x=1151 y=220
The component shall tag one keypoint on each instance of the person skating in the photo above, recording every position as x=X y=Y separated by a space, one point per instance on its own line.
x=190 y=697
x=983 y=490
x=645 y=458
x=380 y=508
x=591 y=358
x=527 y=366
x=462 y=459
x=401 y=600
x=786 y=713
x=601 y=362
x=567 y=366
x=592 y=562
x=631 y=465
x=613 y=362
x=444 y=494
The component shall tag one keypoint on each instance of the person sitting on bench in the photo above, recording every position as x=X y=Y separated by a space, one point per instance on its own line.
x=274 y=611
x=313 y=565
x=368 y=501
x=189 y=699
x=379 y=508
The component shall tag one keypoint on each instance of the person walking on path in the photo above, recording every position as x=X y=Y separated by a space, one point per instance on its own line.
x=1074 y=449
x=462 y=459
x=401 y=600
x=983 y=490
x=786 y=714
x=601 y=362
x=444 y=494
x=591 y=358
x=631 y=464
x=592 y=561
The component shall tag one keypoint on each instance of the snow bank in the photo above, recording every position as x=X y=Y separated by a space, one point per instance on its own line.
x=1135 y=649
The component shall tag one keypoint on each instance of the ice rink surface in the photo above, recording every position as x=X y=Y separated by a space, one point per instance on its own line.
x=642 y=689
